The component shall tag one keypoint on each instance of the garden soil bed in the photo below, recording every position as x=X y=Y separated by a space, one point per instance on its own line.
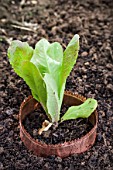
x=92 y=76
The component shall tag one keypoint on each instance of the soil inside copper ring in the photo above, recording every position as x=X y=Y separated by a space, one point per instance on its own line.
x=66 y=131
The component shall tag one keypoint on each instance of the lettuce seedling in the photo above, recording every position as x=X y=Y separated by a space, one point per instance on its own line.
x=45 y=70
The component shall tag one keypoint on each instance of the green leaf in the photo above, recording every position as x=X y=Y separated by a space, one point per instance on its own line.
x=39 y=58
x=34 y=80
x=48 y=59
x=82 y=111
x=52 y=98
x=17 y=53
x=20 y=54
x=70 y=57
x=55 y=53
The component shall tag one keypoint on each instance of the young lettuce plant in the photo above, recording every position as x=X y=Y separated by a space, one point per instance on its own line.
x=45 y=70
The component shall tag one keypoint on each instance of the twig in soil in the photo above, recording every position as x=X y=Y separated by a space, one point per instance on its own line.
x=24 y=28
x=45 y=126
x=8 y=40
x=64 y=45
x=3 y=31
x=104 y=139
x=25 y=25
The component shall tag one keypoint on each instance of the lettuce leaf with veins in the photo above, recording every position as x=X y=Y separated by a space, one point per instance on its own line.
x=20 y=54
x=48 y=59
x=82 y=111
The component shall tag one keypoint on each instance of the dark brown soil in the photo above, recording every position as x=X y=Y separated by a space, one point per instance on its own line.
x=92 y=76
x=66 y=131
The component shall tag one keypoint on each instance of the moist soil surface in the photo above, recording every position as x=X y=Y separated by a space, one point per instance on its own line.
x=66 y=131
x=92 y=76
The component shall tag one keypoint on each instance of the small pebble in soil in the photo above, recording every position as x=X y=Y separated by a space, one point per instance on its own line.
x=84 y=54
x=1 y=150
